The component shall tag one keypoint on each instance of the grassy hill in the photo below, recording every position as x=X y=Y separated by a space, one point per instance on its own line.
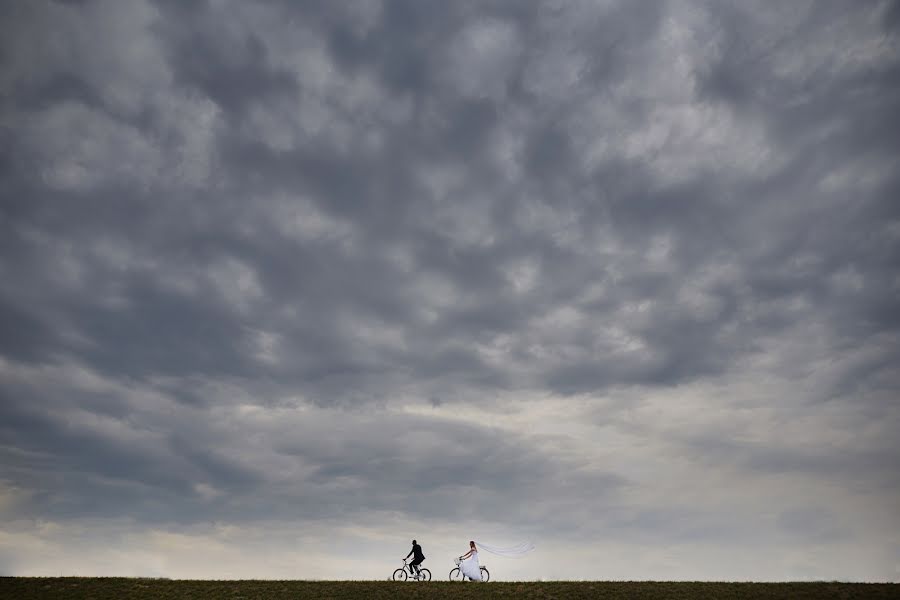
x=120 y=588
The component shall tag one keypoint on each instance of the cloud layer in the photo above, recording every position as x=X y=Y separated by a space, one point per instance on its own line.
x=621 y=279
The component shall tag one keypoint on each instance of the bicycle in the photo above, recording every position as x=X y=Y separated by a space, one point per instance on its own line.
x=402 y=574
x=456 y=574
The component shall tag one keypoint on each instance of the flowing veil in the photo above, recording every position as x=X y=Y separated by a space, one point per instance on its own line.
x=517 y=551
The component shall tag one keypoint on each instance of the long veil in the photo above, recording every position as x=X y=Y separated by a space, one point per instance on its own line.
x=517 y=551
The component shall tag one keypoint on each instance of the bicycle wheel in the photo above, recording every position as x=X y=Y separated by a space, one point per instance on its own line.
x=456 y=575
x=485 y=575
x=400 y=575
x=425 y=575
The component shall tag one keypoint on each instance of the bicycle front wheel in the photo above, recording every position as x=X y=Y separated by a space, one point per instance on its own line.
x=400 y=575
x=424 y=575
x=456 y=575
x=485 y=575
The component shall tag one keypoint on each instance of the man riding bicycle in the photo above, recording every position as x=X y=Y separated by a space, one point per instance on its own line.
x=418 y=557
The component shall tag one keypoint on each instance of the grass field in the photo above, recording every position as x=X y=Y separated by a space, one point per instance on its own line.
x=26 y=588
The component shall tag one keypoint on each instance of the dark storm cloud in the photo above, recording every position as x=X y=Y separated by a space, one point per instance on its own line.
x=105 y=453
x=871 y=464
x=355 y=206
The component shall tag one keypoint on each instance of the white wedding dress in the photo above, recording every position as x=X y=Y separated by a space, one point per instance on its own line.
x=470 y=567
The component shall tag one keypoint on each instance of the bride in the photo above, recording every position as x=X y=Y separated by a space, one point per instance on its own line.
x=469 y=566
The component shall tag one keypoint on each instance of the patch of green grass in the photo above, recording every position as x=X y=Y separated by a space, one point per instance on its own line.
x=121 y=588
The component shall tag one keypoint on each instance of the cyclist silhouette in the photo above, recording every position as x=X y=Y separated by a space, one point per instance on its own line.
x=417 y=555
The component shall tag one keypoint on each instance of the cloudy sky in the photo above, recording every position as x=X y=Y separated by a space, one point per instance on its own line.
x=287 y=284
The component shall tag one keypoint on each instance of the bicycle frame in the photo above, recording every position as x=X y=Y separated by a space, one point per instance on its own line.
x=406 y=566
x=485 y=574
x=421 y=573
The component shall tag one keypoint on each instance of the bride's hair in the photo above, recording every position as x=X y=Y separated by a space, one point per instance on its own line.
x=471 y=544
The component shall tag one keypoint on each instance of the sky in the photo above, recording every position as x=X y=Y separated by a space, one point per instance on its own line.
x=288 y=284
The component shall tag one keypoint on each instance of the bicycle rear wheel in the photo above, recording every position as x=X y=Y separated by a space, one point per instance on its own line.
x=425 y=575
x=456 y=575
x=400 y=575
x=485 y=575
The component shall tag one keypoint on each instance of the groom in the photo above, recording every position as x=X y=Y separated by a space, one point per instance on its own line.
x=418 y=557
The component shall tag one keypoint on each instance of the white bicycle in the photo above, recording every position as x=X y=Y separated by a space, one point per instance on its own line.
x=402 y=574
x=456 y=574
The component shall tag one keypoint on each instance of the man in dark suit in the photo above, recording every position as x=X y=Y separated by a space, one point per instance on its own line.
x=418 y=557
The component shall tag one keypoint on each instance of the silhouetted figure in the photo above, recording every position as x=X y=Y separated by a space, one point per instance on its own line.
x=418 y=557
